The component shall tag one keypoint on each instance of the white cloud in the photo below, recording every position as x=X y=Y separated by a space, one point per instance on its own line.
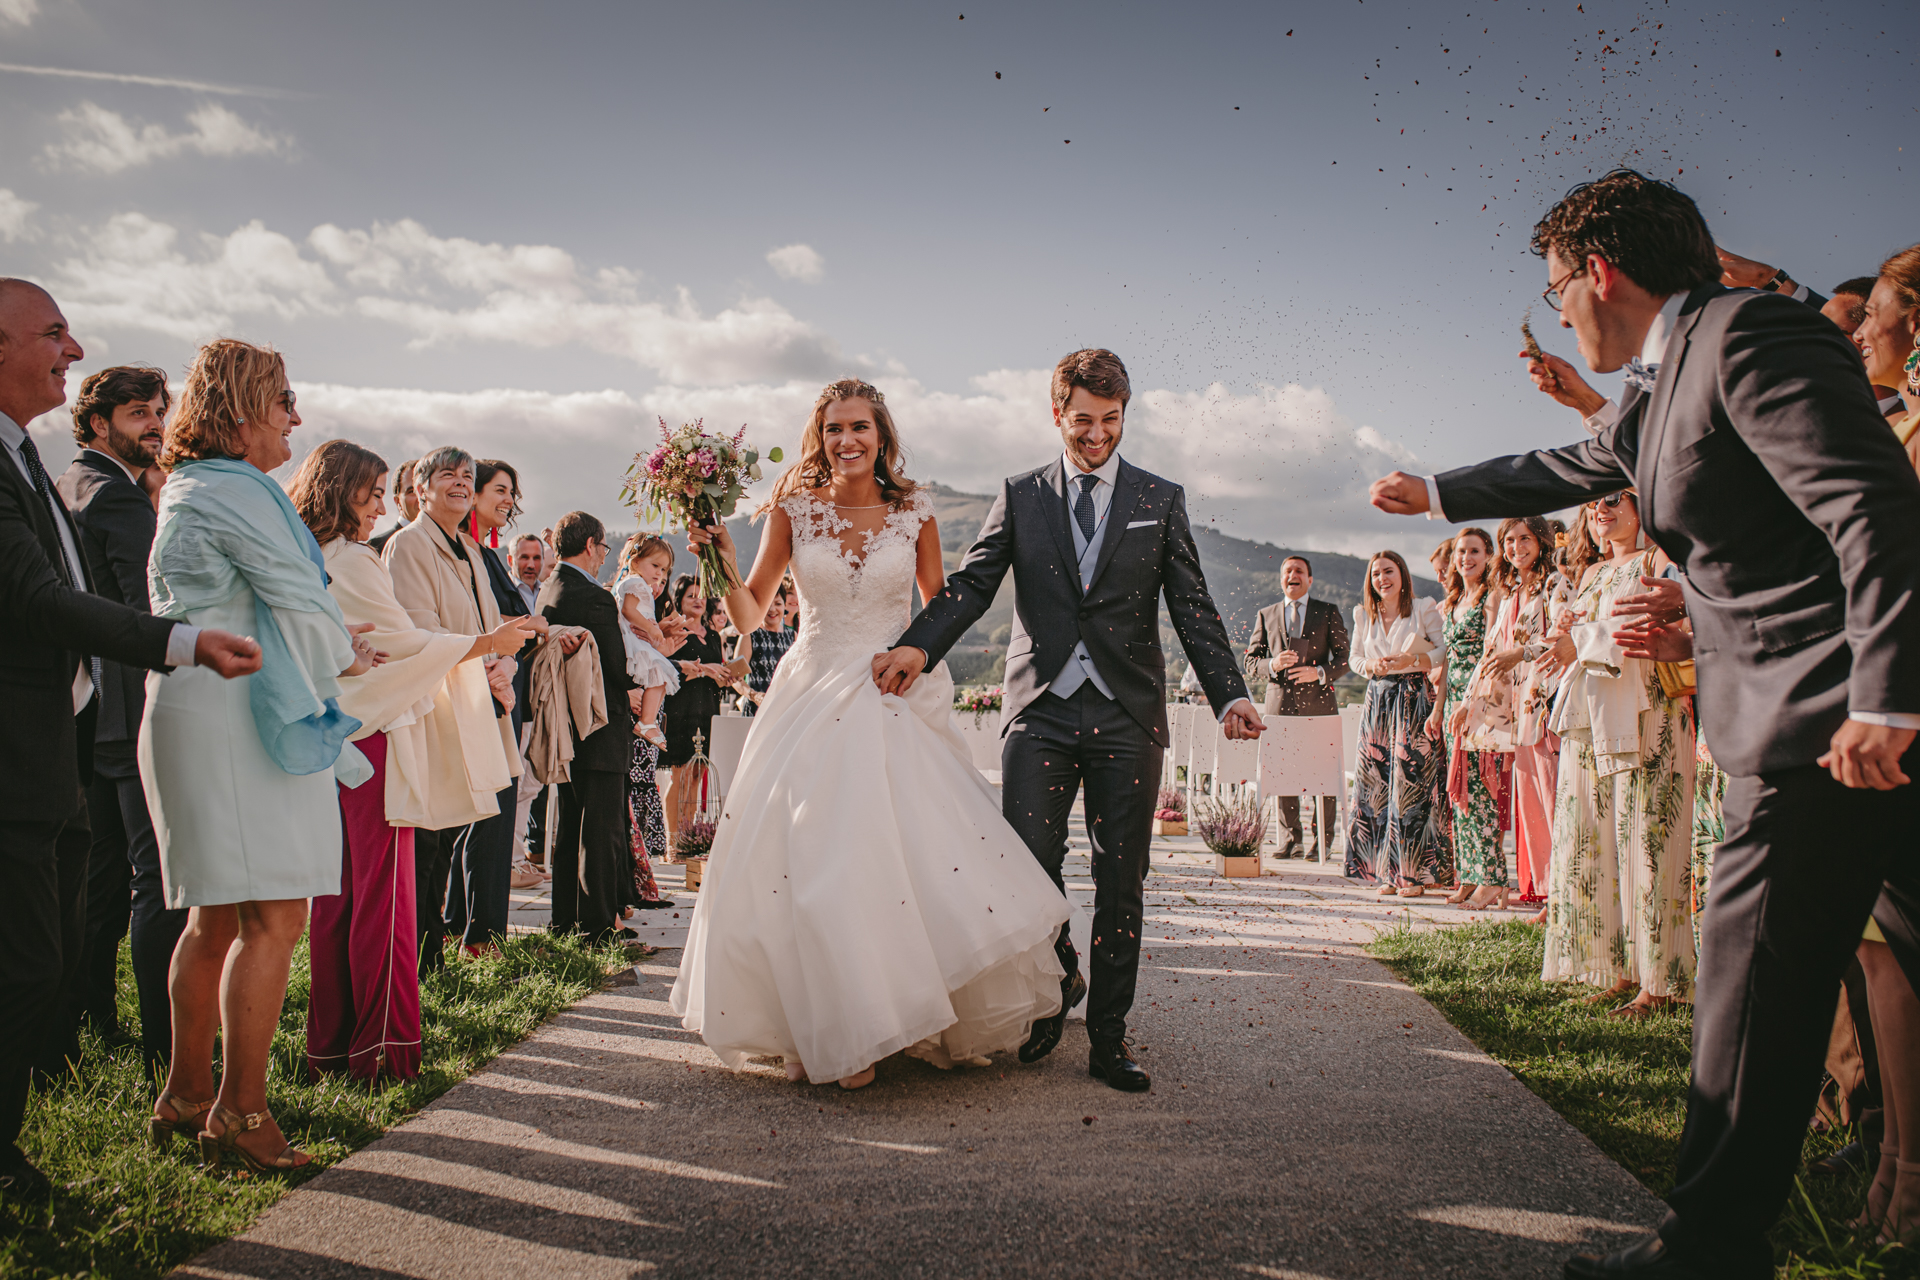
x=13 y=215
x=19 y=12
x=106 y=142
x=800 y=262
x=134 y=275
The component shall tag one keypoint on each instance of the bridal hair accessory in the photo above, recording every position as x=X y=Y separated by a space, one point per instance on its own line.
x=851 y=388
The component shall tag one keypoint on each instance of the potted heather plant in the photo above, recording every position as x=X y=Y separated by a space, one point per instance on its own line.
x=1232 y=831
x=1170 y=812
x=691 y=846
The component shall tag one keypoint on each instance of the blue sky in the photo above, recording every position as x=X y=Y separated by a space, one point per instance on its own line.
x=530 y=229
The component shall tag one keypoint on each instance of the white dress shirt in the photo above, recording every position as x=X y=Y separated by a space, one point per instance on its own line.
x=180 y=644
x=1652 y=351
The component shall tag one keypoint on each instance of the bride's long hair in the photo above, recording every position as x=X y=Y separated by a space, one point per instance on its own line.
x=814 y=470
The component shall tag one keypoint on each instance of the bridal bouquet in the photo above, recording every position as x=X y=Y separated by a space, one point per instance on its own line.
x=695 y=477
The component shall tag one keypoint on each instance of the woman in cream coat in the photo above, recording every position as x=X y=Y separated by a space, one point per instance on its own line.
x=428 y=730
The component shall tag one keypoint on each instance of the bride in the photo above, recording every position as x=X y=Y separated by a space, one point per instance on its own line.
x=863 y=894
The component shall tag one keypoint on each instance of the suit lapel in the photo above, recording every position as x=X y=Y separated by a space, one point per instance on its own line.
x=45 y=529
x=1654 y=425
x=1053 y=501
x=1126 y=497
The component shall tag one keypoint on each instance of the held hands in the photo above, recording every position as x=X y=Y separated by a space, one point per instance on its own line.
x=896 y=670
x=1242 y=723
x=1399 y=494
x=365 y=656
x=1868 y=755
x=226 y=654
x=1559 y=379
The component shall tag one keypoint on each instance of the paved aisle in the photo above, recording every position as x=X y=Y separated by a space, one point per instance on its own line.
x=1310 y=1118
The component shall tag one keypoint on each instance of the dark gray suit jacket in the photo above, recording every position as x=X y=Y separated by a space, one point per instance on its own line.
x=1119 y=617
x=116 y=522
x=1766 y=472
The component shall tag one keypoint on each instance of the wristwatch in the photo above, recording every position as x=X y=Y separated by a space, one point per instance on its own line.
x=1780 y=278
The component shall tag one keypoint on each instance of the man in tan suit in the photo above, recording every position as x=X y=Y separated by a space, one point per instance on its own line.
x=1300 y=645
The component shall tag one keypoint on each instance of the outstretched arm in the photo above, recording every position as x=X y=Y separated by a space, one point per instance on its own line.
x=955 y=604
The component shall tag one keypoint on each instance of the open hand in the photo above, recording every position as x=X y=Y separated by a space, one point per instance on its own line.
x=1662 y=601
x=226 y=654
x=896 y=670
x=1868 y=755
x=1399 y=494
x=1241 y=723
x=1655 y=642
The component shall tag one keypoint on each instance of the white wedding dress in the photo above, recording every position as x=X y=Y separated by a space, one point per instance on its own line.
x=863 y=894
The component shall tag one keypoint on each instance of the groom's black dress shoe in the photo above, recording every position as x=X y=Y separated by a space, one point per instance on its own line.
x=1045 y=1037
x=1648 y=1260
x=1111 y=1062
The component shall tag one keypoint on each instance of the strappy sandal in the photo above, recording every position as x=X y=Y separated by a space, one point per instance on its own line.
x=1868 y=1218
x=215 y=1148
x=184 y=1118
x=1903 y=1230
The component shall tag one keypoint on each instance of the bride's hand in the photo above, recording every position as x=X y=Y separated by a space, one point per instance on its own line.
x=714 y=534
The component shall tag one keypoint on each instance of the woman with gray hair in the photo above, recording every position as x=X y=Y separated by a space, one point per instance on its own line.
x=441 y=581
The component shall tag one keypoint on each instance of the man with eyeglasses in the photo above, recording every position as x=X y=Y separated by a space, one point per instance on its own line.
x=1764 y=471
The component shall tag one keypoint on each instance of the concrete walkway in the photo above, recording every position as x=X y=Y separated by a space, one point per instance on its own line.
x=1311 y=1119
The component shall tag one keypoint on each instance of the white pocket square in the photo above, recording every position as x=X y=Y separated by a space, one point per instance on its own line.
x=1143 y=524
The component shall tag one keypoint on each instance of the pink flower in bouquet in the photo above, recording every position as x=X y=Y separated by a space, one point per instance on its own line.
x=703 y=461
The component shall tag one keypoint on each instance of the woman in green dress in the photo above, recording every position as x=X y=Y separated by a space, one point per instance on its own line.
x=1618 y=899
x=1472 y=779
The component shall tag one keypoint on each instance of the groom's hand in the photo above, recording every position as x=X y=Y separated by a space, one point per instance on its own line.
x=1242 y=722
x=895 y=670
x=1399 y=494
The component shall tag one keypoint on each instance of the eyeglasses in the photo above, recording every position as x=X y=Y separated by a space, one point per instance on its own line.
x=287 y=399
x=1552 y=293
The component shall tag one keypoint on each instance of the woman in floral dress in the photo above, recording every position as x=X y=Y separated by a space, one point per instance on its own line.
x=1618 y=909
x=1474 y=778
x=1392 y=838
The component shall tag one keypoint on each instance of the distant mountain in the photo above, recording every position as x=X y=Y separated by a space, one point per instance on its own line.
x=1244 y=576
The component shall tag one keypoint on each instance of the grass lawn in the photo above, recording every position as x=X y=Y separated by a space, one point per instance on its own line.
x=122 y=1209
x=1623 y=1084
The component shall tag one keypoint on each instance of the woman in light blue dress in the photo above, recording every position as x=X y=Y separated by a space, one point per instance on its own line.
x=240 y=774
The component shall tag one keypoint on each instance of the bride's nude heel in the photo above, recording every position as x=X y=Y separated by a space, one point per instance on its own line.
x=858 y=1080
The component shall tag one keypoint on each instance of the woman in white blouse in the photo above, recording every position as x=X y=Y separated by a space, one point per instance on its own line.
x=1392 y=838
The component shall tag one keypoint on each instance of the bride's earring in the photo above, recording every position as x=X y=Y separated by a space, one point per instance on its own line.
x=1913 y=366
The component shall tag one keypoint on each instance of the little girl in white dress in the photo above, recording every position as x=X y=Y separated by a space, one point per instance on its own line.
x=647 y=562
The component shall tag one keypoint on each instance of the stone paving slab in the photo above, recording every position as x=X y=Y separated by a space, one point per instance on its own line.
x=1311 y=1119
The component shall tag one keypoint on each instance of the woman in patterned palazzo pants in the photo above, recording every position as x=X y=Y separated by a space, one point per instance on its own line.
x=1619 y=913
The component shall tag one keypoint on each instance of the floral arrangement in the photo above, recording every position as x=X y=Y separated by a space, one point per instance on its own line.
x=1171 y=805
x=695 y=839
x=977 y=701
x=695 y=477
x=1233 y=829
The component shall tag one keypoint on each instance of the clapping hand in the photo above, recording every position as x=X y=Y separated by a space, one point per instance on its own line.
x=226 y=654
x=365 y=656
x=1661 y=603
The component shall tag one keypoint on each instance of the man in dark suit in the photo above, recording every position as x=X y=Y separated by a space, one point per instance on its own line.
x=1765 y=472
x=117 y=421
x=407 y=498
x=1092 y=543
x=49 y=625
x=1302 y=643
x=591 y=840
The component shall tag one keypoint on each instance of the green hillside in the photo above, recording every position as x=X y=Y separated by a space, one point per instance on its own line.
x=1244 y=576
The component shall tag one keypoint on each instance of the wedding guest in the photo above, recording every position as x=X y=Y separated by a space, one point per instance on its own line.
x=240 y=776
x=1302 y=644
x=1888 y=336
x=118 y=422
x=592 y=848
x=1522 y=633
x=496 y=504
x=440 y=578
x=529 y=563
x=52 y=623
x=416 y=710
x=1397 y=641
x=764 y=646
x=691 y=710
x=641 y=590
x=1475 y=777
x=406 y=499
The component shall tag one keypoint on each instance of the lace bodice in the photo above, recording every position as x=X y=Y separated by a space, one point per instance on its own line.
x=855 y=598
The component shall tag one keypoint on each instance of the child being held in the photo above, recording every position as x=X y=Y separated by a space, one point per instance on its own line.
x=646 y=563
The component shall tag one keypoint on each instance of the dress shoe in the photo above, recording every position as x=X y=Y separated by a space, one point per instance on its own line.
x=19 y=1180
x=1114 y=1064
x=1853 y=1159
x=1647 y=1260
x=653 y=904
x=1047 y=1031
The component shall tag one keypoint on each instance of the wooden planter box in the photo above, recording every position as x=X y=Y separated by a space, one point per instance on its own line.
x=1235 y=868
x=696 y=868
x=1163 y=827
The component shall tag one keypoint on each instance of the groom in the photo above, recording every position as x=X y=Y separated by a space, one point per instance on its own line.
x=1092 y=543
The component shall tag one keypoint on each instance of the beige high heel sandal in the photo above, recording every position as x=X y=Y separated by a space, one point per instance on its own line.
x=184 y=1118
x=1867 y=1216
x=1909 y=1226
x=215 y=1148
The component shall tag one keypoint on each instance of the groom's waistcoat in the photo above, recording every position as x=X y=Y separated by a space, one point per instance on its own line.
x=1145 y=549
